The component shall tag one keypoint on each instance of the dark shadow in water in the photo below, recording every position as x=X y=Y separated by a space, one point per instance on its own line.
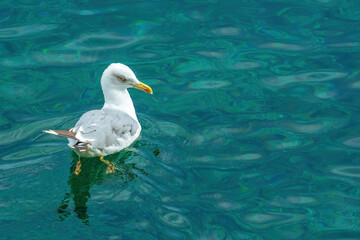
x=93 y=171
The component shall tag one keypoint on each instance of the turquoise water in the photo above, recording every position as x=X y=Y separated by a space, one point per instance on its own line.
x=252 y=132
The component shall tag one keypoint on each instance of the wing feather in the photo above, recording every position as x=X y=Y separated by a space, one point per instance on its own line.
x=104 y=128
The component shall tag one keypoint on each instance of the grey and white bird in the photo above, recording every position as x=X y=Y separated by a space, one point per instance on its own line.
x=114 y=127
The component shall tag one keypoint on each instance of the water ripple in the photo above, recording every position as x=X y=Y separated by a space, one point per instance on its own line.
x=22 y=31
x=304 y=77
x=226 y=31
x=90 y=42
x=285 y=46
x=8 y=166
x=174 y=219
x=270 y=220
x=349 y=171
x=353 y=142
x=209 y=84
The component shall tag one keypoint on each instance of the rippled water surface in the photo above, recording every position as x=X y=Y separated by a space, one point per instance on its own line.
x=253 y=131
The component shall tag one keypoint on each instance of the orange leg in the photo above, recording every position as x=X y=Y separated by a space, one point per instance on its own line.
x=110 y=167
x=78 y=167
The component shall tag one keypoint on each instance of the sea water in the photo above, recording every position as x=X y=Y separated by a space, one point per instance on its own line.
x=252 y=132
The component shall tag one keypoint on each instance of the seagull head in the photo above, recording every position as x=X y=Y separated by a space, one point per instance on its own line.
x=120 y=76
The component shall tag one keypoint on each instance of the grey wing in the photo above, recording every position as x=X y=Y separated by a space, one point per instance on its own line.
x=103 y=128
x=122 y=124
x=93 y=128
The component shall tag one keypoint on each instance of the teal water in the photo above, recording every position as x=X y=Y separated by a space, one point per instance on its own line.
x=252 y=132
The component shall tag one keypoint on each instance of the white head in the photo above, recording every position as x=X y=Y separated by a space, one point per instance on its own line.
x=119 y=76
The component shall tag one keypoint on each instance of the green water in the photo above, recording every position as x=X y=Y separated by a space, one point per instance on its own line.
x=252 y=132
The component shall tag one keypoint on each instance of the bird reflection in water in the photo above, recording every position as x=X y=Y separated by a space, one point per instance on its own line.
x=93 y=172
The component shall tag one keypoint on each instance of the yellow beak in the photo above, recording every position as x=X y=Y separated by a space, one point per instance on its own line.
x=143 y=87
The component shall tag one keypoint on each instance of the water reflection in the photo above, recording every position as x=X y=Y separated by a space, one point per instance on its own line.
x=93 y=171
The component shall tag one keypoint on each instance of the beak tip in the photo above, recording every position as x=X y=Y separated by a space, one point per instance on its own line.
x=143 y=87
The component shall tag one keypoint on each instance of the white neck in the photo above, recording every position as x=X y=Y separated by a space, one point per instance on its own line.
x=119 y=99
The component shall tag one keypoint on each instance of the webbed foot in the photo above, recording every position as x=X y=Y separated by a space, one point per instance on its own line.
x=110 y=167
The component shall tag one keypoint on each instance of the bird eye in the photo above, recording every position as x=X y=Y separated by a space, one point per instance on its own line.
x=121 y=78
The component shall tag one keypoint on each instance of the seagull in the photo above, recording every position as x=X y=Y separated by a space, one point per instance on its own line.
x=114 y=127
